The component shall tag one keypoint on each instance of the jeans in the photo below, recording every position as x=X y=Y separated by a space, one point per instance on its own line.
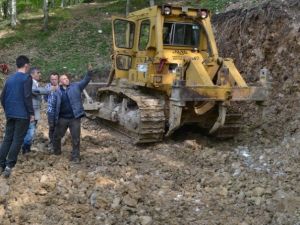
x=15 y=132
x=51 y=130
x=30 y=133
x=60 y=130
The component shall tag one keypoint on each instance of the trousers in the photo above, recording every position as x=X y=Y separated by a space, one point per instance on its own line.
x=15 y=132
x=60 y=129
x=30 y=133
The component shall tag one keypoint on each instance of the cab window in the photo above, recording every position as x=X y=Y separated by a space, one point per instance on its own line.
x=181 y=34
x=144 y=34
x=124 y=33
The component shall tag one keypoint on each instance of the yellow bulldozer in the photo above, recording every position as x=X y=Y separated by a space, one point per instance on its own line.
x=166 y=73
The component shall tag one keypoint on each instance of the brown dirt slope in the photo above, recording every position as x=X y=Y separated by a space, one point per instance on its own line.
x=267 y=36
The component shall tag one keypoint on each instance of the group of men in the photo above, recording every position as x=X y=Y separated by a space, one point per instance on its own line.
x=21 y=100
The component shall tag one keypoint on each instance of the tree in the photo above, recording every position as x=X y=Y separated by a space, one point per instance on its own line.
x=62 y=4
x=13 y=21
x=152 y=3
x=46 y=15
x=127 y=7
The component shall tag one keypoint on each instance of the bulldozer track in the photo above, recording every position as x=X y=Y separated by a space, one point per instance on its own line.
x=151 y=125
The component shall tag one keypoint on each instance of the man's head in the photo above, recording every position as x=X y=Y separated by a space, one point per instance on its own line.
x=22 y=63
x=54 y=79
x=35 y=73
x=64 y=80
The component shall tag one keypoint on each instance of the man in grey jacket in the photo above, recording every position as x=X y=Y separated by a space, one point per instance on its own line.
x=68 y=111
x=36 y=102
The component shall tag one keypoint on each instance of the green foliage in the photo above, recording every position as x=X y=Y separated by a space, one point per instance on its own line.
x=216 y=5
x=118 y=6
x=70 y=43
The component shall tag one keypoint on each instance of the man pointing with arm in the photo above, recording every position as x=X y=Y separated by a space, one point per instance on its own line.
x=68 y=111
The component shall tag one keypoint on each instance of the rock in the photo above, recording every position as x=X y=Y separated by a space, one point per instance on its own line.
x=48 y=182
x=198 y=187
x=223 y=191
x=127 y=200
x=146 y=220
x=133 y=219
x=258 y=191
x=41 y=191
x=258 y=200
x=116 y=203
x=191 y=144
x=4 y=189
x=2 y=212
x=93 y=199
x=243 y=223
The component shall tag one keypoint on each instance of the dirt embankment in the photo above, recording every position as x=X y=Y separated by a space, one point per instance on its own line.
x=267 y=36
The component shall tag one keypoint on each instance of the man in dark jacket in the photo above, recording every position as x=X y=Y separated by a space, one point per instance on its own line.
x=16 y=99
x=67 y=113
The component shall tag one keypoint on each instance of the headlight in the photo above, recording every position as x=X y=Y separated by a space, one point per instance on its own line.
x=166 y=10
x=202 y=13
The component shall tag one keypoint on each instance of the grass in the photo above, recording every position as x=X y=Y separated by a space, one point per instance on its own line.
x=68 y=46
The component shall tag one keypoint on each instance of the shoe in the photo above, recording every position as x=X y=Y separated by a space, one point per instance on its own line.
x=50 y=149
x=56 y=152
x=75 y=160
x=26 y=148
x=7 y=172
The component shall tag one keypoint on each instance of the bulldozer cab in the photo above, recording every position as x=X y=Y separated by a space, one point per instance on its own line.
x=150 y=45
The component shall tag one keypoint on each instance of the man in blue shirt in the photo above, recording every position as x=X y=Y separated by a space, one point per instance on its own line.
x=67 y=113
x=51 y=87
x=16 y=99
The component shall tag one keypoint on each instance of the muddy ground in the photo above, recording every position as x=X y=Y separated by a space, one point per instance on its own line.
x=189 y=179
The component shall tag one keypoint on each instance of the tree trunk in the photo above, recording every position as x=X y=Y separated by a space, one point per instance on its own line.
x=5 y=8
x=127 y=7
x=52 y=3
x=62 y=5
x=9 y=7
x=1 y=10
x=46 y=15
x=13 y=21
x=152 y=3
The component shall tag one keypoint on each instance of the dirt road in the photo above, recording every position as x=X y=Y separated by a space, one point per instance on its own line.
x=191 y=180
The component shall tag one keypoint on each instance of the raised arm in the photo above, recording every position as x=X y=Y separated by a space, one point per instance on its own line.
x=40 y=91
x=85 y=81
